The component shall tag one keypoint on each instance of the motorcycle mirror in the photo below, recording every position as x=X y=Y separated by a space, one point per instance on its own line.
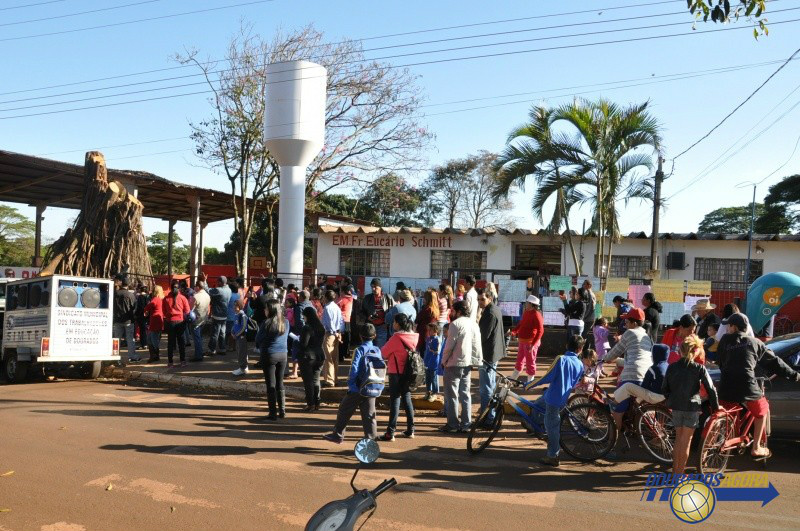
x=367 y=451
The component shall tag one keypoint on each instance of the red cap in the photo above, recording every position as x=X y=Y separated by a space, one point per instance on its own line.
x=636 y=314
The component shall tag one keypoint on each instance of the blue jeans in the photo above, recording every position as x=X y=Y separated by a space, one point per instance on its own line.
x=126 y=331
x=217 y=336
x=381 y=335
x=399 y=392
x=486 y=383
x=574 y=331
x=457 y=398
x=154 y=341
x=431 y=381
x=197 y=337
x=552 y=424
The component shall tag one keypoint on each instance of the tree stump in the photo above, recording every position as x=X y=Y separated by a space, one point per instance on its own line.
x=107 y=236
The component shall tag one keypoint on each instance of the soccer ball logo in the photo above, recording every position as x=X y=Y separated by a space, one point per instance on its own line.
x=692 y=501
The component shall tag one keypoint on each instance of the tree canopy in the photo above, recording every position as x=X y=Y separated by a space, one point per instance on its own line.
x=724 y=11
x=16 y=237
x=157 y=249
x=785 y=196
x=736 y=220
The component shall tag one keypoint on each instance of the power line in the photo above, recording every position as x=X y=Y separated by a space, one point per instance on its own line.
x=446 y=60
x=31 y=5
x=115 y=146
x=127 y=22
x=77 y=14
x=341 y=42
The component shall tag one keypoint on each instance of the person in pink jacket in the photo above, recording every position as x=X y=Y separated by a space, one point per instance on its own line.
x=395 y=352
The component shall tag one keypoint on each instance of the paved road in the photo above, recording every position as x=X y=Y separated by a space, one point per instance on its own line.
x=104 y=456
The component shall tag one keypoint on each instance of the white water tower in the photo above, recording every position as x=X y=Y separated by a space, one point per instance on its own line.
x=294 y=132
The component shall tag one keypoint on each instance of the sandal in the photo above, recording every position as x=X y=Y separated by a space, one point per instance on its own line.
x=765 y=456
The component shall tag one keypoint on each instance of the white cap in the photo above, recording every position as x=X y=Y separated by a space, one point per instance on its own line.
x=533 y=299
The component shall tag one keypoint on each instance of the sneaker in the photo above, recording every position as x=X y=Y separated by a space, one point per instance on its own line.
x=388 y=437
x=408 y=434
x=334 y=438
x=135 y=360
x=550 y=461
x=431 y=397
x=448 y=429
x=240 y=372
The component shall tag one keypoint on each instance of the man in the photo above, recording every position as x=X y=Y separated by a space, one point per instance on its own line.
x=471 y=298
x=493 y=346
x=202 y=303
x=374 y=308
x=588 y=316
x=142 y=299
x=345 y=302
x=124 y=317
x=462 y=351
x=403 y=304
x=738 y=355
x=333 y=322
x=703 y=310
x=220 y=296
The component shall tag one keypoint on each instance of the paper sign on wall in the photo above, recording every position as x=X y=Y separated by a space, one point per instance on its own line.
x=560 y=282
x=609 y=312
x=636 y=292
x=608 y=299
x=617 y=285
x=552 y=304
x=691 y=300
x=553 y=318
x=513 y=291
x=510 y=309
x=699 y=287
x=668 y=290
x=671 y=311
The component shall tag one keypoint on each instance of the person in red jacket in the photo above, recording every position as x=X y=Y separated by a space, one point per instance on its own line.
x=154 y=311
x=176 y=309
x=395 y=352
x=529 y=332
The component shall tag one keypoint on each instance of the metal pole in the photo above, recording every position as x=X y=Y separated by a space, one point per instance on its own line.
x=656 y=215
x=750 y=243
x=169 y=248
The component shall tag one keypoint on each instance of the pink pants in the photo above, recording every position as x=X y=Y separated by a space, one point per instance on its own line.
x=526 y=358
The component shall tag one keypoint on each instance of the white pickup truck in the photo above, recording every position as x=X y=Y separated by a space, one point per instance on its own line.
x=58 y=320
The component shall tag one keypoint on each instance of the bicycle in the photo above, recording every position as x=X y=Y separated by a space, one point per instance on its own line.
x=783 y=325
x=587 y=430
x=651 y=423
x=729 y=430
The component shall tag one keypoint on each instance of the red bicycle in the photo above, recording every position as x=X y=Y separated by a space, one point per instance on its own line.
x=727 y=431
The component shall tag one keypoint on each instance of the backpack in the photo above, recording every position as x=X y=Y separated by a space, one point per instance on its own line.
x=373 y=382
x=414 y=371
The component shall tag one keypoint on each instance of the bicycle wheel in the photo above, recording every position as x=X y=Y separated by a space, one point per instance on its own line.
x=711 y=458
x=587 y=431
x=657 y=432
x=481 y=433
x=578 y=398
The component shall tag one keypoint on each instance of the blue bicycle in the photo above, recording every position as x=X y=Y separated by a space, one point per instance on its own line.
x=587 y=429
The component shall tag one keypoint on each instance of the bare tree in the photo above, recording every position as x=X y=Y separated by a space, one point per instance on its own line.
x=371 y=122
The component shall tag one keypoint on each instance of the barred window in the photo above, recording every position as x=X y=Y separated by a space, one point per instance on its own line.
x=364 y=262
x=443 y=261
x=626 y=266
x=726 y=273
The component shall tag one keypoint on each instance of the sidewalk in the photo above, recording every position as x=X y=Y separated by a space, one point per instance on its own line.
x=214 y=375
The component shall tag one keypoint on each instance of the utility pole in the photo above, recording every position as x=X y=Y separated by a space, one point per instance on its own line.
x=750 y=243
x=656 y=214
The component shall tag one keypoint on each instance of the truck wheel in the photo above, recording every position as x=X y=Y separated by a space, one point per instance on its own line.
x=16 y=371
x=91 y=370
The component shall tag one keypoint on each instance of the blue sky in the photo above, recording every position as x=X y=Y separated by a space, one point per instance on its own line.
x=686 y=107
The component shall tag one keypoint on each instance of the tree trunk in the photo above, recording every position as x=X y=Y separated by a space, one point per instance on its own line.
x=608 y=261
x=572 y=248
x=107 y=237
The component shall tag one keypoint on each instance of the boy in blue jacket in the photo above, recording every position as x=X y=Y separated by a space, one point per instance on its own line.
x=565 y=372
x=354 y=399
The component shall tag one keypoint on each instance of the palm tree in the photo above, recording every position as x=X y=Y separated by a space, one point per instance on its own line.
x=611 y=147
x=530 y=152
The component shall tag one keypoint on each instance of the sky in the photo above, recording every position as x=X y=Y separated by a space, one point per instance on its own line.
x=691 y=80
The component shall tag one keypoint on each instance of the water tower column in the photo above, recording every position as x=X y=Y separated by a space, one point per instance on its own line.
x=291 y=224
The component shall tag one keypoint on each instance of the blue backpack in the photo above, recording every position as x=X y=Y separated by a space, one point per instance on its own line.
x=374 y=376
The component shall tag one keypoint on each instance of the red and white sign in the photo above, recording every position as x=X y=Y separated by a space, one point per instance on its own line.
x=389 y=240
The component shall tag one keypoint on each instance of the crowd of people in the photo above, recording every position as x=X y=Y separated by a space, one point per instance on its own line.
x=401 y=340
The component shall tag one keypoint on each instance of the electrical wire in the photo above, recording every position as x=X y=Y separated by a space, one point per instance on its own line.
x=31 y=5
x=56 y=17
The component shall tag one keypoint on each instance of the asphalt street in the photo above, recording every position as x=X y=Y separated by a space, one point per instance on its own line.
x=106 y=456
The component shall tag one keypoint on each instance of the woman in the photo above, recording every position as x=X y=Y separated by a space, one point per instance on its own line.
x=673 y=338
x=445 y=296
x=428 y=314
x=316 y=301
x=395 y=352
x=574 y=310
x=345 y=303
x=154 y=311
x=274 y=352
x=682 y=389
x=529 y=333
x=176 y=308
x=727 y=311
x=311 y=357
x=652 y=318
x=637 y=348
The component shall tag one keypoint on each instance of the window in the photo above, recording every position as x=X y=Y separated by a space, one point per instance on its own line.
x=364 y=262
x=546 y=259
x=443 y=261
x=627 y=266
x=726 y=273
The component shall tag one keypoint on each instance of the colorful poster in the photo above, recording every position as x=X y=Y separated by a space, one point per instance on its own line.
x=598 y=306
x=699 y=287
x=513 y=291
x=553 y=318
x=636 y=291
x=510 y=309
x=617 y=285
x=609 y=312
x=552 y=304
x=560 y=282
x=608 y=300
x=671 y=311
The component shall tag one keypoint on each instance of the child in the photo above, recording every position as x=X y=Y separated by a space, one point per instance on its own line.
x=354 y=398
x=710 y=344
x=600 y=332
x=562 y=376
x=682 y=389
x=433 y=358
x=650 y=390
x=239 y=333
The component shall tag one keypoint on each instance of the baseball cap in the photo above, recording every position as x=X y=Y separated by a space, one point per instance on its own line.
x=635 y=314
